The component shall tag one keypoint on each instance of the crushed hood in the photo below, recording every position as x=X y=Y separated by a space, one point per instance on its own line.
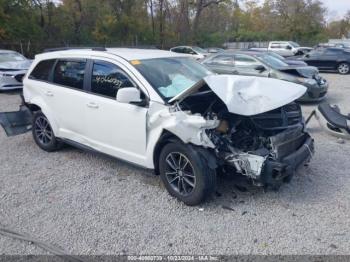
x=246 y=95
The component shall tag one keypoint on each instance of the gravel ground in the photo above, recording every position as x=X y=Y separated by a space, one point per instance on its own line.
x=92 y=204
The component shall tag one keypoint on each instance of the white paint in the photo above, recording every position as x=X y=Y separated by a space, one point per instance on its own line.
x=131 y=132
x=247 y=95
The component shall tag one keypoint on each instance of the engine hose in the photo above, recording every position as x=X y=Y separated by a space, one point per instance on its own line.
x=50 y=248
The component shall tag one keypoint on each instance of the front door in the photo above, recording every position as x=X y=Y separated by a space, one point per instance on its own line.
x=314 y=58
x=247 y=65
x=117 y=129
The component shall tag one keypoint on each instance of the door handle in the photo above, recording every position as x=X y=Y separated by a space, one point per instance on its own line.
x=48 y=93
x=92 y=105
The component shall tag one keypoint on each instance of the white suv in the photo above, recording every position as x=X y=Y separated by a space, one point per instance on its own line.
x=166 y=112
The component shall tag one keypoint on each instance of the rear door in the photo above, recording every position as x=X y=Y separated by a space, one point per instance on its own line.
x=67 y=98
x=329 y=60
x=315 y=58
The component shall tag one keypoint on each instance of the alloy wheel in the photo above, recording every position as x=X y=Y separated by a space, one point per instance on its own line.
x=179 y=173
x=344 y=68
x=43 y=130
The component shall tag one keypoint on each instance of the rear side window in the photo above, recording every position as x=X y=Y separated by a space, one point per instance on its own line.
x=108 y=78
x=332 y=52
x=42 y=70
x=70 y=73
x=178 y=50
x=222 y=60
x=243 y=60
x=188 y=50
x=275 y=45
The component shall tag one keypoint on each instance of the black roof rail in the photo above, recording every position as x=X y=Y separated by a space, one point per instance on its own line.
x=74 y=48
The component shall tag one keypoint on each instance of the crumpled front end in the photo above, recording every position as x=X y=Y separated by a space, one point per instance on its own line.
x=267 y=148
x=259 y=129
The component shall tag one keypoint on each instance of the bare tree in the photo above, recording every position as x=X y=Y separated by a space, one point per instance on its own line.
x=200 y=5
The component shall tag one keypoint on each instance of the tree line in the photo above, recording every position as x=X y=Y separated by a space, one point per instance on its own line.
x=37 y=24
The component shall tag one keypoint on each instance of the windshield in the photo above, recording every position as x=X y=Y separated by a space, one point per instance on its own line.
x=170 y=76
x=11 y=57
x=199 y=50
x=272 y=61
x=294 y=44
x=277 y=56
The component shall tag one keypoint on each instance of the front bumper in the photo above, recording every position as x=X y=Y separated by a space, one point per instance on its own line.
x=277 y=172
x=11 y=80
x=315 y=93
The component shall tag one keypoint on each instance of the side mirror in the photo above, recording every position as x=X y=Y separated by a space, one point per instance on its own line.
x=260 y=68
x=307 y=55
x=129 y=95
x=288 y=47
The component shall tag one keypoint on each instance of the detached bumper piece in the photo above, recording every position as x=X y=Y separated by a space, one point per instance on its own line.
x=333 y=121
x=17 y=123
x=275 y=173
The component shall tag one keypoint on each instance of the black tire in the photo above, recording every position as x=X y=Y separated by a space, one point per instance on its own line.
x=203 y=178
x=43 y=134
x=343 y=68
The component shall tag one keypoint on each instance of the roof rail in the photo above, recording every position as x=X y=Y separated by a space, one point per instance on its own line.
x=74 y=48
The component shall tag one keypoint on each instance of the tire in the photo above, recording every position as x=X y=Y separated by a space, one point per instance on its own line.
x=185 y=173
x=343 y=68
x=43 y=134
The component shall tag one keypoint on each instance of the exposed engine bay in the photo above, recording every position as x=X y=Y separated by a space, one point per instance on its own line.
x=260 y=146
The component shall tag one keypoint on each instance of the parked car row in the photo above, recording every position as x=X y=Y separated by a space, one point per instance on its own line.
x=284 y=48
x=165 y=111
x=325 y=58
x=265 y=64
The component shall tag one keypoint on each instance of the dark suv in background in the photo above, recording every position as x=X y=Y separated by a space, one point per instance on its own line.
x=332 y=59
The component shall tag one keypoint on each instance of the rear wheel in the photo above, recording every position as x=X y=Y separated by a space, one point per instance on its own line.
x=185 y=173
x=43 y=134
x=343 y=68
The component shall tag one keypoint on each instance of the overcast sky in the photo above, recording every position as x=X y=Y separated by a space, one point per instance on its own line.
x=336 y=8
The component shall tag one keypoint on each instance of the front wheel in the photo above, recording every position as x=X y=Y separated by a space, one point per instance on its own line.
x=185 y=173
x=43 y=134
x=343 y=68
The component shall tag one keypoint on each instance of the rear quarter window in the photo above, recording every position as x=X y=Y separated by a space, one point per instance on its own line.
x=42 y=70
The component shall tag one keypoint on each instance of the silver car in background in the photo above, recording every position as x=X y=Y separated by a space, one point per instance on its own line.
x=13 y=66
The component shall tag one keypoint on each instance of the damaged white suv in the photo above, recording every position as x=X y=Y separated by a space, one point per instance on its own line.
x=166 y=112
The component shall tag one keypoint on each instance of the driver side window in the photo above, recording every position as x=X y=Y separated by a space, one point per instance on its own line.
x=108 y=78
x=190 y=51
x=245 y=61
x=222 y=60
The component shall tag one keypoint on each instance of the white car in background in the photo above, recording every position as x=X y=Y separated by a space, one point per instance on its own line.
x=165 y=112
x=194 y=51
x=285 y=48
x=13 y=67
